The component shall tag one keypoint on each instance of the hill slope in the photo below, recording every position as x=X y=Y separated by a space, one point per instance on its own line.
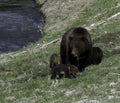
x=25 y=76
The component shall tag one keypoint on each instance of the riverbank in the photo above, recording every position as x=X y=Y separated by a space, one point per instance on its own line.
x=60 y=15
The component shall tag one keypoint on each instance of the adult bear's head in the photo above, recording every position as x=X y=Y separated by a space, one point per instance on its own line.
x=79 y=41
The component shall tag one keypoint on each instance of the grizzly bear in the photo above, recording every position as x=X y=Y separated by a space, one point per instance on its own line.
x=60 y=70
x=54 y=60
x=76 y=47
x=95 y=57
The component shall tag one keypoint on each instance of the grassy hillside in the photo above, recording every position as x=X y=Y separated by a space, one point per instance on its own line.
x=25 y=78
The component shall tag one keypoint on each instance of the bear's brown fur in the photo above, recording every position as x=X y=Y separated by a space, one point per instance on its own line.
x=54 y=60
x=70 y=71
x=75 y=47
x=96 y=56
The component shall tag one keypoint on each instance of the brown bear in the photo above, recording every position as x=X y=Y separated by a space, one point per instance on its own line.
x=95 y=56
x=69 y=71
x=54 y=60
x=76 y=47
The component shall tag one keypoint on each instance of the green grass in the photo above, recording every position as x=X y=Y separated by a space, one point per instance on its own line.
x=97 y=11
x=26 y=78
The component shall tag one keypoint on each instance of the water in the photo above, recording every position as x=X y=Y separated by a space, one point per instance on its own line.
x=20 y=24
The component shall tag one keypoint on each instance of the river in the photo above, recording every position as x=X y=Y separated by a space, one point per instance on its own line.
x=20 y=24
